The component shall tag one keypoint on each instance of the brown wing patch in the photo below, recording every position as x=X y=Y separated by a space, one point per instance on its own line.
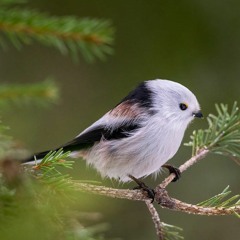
x=126 y=109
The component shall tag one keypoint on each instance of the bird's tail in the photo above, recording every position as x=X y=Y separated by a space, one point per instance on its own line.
x=75 y=145
x=36 y=157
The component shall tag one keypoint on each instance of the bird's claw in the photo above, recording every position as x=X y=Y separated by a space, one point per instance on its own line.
x=142 y=186
x=174 y=170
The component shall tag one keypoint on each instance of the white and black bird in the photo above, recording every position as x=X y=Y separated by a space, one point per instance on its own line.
x=140 y=134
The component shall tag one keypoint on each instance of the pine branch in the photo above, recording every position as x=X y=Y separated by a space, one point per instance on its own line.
x=47 y=171
x=220 y=201
x=171 y=232
x=8 y=147
x=5 y=141
x=164 y=231
x=156 y=220
x=40 y=93
x=70 y=35
x=31 y=207
x=52 y=160
x=7 y=204
x=162 y=198
x=222 y=135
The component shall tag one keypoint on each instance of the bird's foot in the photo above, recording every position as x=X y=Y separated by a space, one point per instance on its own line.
x=174 y=170
x=142 y=186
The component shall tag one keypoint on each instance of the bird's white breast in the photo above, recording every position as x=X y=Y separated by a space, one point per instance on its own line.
x=141 y=154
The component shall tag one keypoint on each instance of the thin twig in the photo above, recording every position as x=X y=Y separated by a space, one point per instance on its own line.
x=156 y=219
x=165 y=200
x=198 y=210
x=38 y=30
x=201 y=154
x=110 y=192
x=236 y=160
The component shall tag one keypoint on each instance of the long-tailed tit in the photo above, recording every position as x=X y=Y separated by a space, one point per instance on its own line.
x=140 y=134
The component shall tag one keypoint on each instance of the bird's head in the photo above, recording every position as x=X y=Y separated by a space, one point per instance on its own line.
x=173 y=102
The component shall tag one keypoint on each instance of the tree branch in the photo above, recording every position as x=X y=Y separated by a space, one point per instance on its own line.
x=156 y=219
x=161 y=194
x=92 y=37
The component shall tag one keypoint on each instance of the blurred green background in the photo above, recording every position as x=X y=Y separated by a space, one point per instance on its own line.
x=196 y=43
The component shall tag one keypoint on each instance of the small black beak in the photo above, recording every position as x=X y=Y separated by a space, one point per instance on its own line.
x=198 y=114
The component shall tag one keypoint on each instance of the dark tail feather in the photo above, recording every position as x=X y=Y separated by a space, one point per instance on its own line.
x=37 y=156
x=82 y=142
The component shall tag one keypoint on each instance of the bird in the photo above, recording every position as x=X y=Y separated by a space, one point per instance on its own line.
x=139 y=135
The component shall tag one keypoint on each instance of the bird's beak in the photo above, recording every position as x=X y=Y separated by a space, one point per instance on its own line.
x=198 y=114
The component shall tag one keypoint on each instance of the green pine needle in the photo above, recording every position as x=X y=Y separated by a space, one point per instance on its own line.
x=222 y=135
x=220 y=200
x=7 y=203
x=70 y=35
x=171 y=232
x=54 y=159
x=6 y=142
x=9 y=148
x=47 y=171
x=237 y=215
x=40 y=93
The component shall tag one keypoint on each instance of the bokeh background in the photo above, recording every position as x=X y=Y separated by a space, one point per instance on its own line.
x=196 y=43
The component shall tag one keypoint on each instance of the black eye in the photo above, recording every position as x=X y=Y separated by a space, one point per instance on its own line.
x=183 y=106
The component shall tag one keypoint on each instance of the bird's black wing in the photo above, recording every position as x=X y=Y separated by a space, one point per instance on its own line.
x=90 y=137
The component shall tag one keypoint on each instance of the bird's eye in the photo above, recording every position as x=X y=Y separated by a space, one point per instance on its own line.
x=183 y=106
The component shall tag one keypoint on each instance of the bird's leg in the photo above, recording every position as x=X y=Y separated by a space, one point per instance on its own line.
x=141 y=185
x=174 y=170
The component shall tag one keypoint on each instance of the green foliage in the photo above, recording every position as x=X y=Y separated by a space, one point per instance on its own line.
x=220 y=200
x=40 y=93
x=38 y=202
x=41 y=204
x=5 y=141
x=70 y=35
x=7 y=203
x=222 y=135
x=171 y=232
x=47 y=171
x=8 y=147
